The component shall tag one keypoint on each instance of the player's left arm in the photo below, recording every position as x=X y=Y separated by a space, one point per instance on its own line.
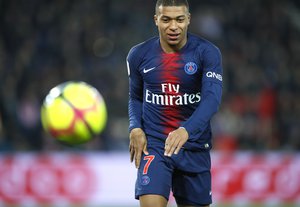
x=211 y=94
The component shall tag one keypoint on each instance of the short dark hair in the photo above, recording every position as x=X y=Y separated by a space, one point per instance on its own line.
x=171 y=3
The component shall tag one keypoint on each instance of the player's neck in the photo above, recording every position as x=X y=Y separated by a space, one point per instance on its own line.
x=167 y=48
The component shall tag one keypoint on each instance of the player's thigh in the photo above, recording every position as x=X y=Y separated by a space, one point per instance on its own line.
x=153 y=201
x=154 y=175
x=192 y=189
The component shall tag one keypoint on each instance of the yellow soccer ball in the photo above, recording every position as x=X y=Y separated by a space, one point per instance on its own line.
x=74 y=113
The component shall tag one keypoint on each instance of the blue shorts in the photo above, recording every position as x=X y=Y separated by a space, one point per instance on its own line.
x=187 y=174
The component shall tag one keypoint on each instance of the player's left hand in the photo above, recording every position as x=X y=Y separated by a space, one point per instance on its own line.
x=175 y=140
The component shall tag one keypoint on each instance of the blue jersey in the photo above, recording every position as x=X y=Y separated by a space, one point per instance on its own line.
x=182 y=89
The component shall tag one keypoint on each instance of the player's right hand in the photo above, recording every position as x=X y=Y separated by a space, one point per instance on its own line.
x=137 y=145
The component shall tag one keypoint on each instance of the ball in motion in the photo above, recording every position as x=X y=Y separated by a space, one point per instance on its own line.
x=74 y=113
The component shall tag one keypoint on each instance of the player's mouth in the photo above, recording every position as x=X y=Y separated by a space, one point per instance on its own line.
x=173 y=37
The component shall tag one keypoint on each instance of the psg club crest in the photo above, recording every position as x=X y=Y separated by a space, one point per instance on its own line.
x=190 y=68
x=145 y=180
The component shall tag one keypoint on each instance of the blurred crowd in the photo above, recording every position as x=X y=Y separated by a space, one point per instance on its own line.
x=46 y=42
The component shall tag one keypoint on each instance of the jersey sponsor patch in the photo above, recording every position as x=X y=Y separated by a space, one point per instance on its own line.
x=190 y=68
x=211 y=74
x=171 y=96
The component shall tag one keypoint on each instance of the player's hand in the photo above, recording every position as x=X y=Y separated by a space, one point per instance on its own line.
x=175 y=140
x=137 y=145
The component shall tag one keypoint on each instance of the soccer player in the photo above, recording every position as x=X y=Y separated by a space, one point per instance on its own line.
x=175 y=87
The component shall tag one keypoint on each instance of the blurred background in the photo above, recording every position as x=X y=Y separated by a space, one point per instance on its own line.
x=46 y=42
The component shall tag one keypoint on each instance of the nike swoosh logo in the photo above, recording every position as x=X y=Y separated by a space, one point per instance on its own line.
x=149 y=69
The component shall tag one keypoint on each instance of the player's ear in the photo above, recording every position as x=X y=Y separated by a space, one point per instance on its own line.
x=155 y=19
x=189 y=18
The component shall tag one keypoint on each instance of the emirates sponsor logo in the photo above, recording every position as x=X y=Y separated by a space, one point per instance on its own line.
x=171 y=96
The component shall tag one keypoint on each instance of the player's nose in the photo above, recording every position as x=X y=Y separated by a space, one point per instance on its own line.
x=173 y=25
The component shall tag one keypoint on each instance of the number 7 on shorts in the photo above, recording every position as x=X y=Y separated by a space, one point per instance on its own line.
x=149 y=159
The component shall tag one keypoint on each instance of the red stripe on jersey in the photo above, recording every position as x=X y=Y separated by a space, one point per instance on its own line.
x=170 y=74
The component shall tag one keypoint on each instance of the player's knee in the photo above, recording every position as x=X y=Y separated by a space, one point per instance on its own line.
x=153 y=200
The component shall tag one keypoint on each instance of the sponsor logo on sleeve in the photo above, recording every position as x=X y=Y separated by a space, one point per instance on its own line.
x=211 y=74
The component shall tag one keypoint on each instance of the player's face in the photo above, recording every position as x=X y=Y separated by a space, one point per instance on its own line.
x=172 y=23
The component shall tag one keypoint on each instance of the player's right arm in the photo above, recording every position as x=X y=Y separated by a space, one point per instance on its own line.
x=138 y=142
x=137 y=145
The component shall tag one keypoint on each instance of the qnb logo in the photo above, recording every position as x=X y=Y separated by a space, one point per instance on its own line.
x=210 y=74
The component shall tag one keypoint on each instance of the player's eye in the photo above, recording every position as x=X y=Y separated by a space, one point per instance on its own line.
x=180 y=20
x=165 y=20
